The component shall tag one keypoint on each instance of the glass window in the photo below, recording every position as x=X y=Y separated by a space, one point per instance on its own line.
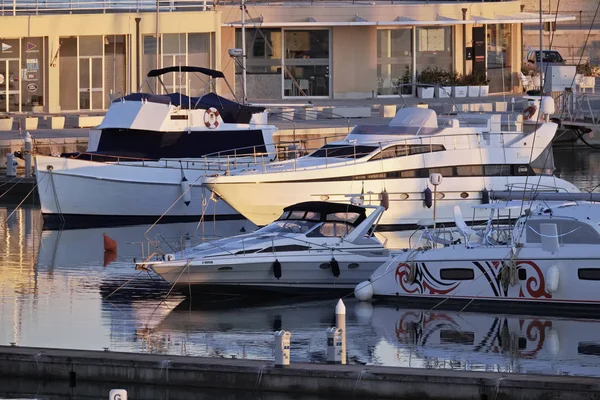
x=457 y=274
x=343 y=216
x=297 y=215
x=343 y=151
x=496 y=170
x=394 y=61
x=306 y=70
x=434 y=47
x=469 y=170
x=115 y=71
x=331 y=229
x=498 y=37
x=90 y=45
x=569 y=231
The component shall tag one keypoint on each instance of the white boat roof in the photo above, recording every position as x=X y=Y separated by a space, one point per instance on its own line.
x=415 y=117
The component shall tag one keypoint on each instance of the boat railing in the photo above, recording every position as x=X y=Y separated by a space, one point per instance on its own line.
x=353 y=152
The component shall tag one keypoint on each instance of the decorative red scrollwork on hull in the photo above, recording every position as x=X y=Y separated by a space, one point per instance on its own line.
x=402 y=272
x=536 y=284
x=432 y=290
x=536 y=332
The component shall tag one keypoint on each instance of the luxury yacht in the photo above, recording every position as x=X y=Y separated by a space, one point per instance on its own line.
x=312 y=247
x=470 y=157
x=548 y=262
x=142 y=160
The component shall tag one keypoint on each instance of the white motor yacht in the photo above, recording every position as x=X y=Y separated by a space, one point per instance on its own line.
x=393 y=162
x=311 y=247
x=142 y=161
x=548 y=262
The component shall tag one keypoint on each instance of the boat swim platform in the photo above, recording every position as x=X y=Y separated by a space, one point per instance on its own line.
x=76 y=368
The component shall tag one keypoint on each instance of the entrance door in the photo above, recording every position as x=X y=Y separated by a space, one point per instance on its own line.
x=91 y=87
x=10 y=95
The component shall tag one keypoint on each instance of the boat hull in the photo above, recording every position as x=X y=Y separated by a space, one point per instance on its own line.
x=300 y=273
x=485 y=278
x=263 y=202
x=88 y=192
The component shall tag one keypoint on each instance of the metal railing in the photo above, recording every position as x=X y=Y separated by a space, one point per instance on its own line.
x=36 y=7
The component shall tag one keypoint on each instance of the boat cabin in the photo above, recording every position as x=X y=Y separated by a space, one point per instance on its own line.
x=318 y=219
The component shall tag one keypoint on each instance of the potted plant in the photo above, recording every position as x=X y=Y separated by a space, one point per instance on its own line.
x=457 y=81
x=6 y=123
x=480 y=78
x=406 y=79
x=472 y=86
x=589 y=78
x=426 y=78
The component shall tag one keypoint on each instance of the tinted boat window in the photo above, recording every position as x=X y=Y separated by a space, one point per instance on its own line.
x=343 y=151
x=589 y=274
x=457 y=274
x=331 y=229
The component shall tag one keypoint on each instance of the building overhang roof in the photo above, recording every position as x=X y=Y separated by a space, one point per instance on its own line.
x=519 y=18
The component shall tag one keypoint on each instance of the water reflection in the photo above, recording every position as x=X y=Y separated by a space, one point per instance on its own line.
x=57 y=289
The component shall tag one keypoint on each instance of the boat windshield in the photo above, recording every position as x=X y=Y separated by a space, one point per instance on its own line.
x=343 y=151
x=289 y=226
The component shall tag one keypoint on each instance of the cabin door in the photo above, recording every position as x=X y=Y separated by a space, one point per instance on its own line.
x=91 y=78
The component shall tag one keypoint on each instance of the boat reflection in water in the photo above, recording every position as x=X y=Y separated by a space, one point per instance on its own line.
x=381 y=334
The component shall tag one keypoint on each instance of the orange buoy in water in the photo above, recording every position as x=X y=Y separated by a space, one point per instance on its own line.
x=109 y=244
x=109 y=256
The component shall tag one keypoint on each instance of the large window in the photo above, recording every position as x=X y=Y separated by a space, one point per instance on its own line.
x=194 y=49
x=434 y=47
x=394 y=61
x=263 y=63
x=306 y=71
x=498 y=57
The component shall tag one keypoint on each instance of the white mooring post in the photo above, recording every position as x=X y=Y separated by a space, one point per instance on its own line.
x=27 y=154
x=282 y=348
x=334 y=345
x=340 y=322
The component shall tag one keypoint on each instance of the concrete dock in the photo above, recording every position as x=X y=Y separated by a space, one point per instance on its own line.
x=124 y=370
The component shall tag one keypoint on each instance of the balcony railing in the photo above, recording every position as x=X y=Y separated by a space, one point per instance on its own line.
x=36 y=7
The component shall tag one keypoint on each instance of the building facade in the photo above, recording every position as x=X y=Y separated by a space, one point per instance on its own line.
x=57 y=57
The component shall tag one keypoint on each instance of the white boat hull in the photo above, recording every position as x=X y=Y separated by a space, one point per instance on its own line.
x=80 y=189
x=300 y=272
x=531 y=284
x=263 y=202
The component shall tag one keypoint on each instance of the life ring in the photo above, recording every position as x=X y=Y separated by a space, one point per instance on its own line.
x=529 y=112
x=211 y=118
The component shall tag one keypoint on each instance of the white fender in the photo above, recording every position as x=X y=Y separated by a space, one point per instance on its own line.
x=363 y=291
x=552 y=341
x=185 y=189
x=552 y=278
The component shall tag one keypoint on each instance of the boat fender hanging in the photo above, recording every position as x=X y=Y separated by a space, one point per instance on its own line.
x=552 y=279
x=385 y=199
x=335 y=267
x=529 y=112
x=485 y=196
x=412 y=273
x=277 y=269
x=185 y=189
x=211 y=118
x=428 y=197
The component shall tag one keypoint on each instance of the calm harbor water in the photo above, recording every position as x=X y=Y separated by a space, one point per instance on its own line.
x=58 y=289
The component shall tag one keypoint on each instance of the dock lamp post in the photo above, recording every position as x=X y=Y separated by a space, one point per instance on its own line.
x=435 y=179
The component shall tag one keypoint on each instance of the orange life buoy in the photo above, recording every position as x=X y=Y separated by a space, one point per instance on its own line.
x=529 y=112
x=211 y=118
